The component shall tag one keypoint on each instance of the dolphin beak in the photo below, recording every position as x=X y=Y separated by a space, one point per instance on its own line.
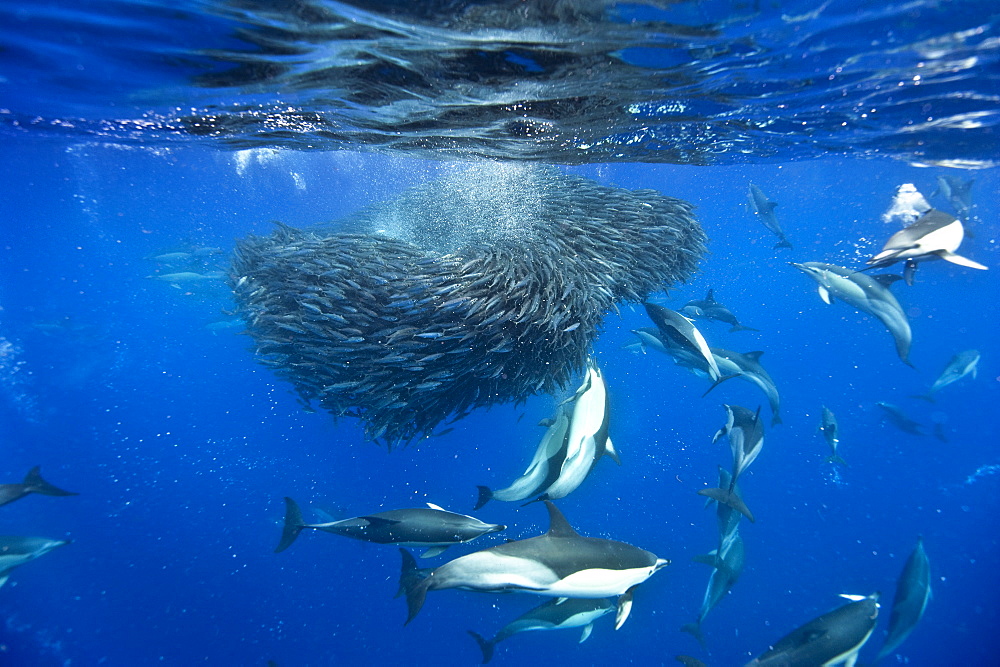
x=660 y=564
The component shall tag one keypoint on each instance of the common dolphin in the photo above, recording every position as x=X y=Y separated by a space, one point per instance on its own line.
x=430 y=527
x=727 y=563
x=16 y=551
x=869 y=294
x=913 y=591
x=746 y=439
x=957 y=192
x=962 y=364
x=747 y=366
x=710 y=309
x=764 y=209
x=557 y=614
x=831 y=433
x=835 y=638
x=680 y=331
x=33 y=483
x=899 y=419
x=558 y=563
x=935 y=235
x=573 y=444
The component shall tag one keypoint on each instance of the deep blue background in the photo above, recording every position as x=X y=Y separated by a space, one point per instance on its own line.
x=182 y=447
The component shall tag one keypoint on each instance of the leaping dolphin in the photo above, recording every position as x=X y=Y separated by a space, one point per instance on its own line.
x=935 y=235
x=835 y=638
x=557 y=614
x=16 y=551
x=913 y=591
x=33 y=483
x=558 y=563
x=431 y=527
x=869 y=294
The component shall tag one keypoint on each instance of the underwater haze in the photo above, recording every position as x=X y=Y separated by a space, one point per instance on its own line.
x=143 y=143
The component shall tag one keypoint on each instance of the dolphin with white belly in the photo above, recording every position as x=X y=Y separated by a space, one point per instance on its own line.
x=558 y=563
x=681 y=332
x=746 y=439
x=431 y=527
x=835 y=638
x=16 y=551
x=935 y=235
x=869 y=294
x=962 y=364
x=558 y=614
x=764 y=208
x=913 y=592
x=831 y=433
x=747 y=367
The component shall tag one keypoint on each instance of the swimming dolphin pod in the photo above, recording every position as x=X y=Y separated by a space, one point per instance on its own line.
x=574 y=442
x=431 y=527
x=913 y=592
x=32 y=483
x=835 y=638
x=559 y=563
x=869 y=294
x=935 y=235
x=16 y=551
x=558 y=614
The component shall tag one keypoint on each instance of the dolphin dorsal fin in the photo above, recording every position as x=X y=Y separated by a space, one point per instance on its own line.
x=710 y=297
x=755 y=355
x=436 y=507
x=558 y=525
x=887 y=279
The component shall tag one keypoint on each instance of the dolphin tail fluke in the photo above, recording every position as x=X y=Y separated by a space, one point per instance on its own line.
x=836 y=459
x=730 y=498
x=740 y=327
x=294 y=523
x=694 y=629
x=485 y=496
x=485 y=645
x=783 y=243
x=413 y=584
x=720 y=381
x=34 y=483
x=775 y=419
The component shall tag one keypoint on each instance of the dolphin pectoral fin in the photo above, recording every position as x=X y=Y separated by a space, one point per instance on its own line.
x=624 y=607
x=294 y=524
x=587 y=629
x=485 y=495
x=611 y=452
x=824 y=294
x=485 y=646
x=436 y=507
x=961 y=261
x=720 y=381
x=434 y=551
x=711 y=559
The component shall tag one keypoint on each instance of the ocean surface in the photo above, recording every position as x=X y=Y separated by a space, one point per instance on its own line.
x=133 y=130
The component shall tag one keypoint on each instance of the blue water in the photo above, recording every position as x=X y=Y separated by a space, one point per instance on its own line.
x=182 y=447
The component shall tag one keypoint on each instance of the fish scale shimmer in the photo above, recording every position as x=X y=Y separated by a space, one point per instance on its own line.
x=448 y=302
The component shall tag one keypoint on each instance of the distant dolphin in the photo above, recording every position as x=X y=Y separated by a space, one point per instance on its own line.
x=680 y=331
x=899 y=419
x=33 y=483
x=430 y=527
x=747 y=367
x=710 y=309
x=746 y=439
x=764 y=208
x=831 y=433
x=835 y=638
x=913 y=591
x=559 y=563
x=962 y=364
x=572 y=445
x=869 y=294
x=957 y=192
x=557 y=614
x=935 y=235
x=727 y=562
x=16 y=551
